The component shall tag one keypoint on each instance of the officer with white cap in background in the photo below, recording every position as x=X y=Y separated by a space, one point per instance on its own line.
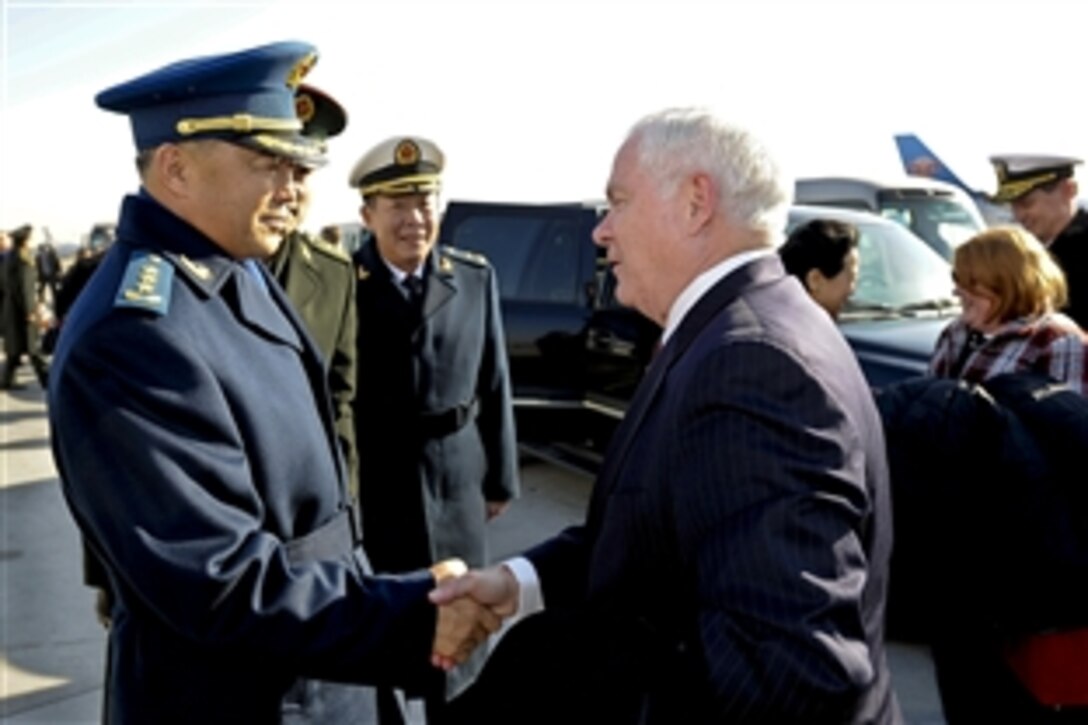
x=433 y=414
x=1042 y=192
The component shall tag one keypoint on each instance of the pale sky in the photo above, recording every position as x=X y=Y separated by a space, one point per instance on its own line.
x=530 y=98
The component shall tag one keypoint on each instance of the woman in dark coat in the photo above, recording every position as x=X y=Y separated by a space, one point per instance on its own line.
x=21 y=319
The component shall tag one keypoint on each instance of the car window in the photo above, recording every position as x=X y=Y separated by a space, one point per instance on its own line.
x=896 y=270
x=943 y=223
x=535 y=258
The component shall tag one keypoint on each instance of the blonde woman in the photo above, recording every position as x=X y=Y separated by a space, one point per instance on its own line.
x=1011 y=290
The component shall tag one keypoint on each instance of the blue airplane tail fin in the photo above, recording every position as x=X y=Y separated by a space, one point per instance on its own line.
x=918 y=160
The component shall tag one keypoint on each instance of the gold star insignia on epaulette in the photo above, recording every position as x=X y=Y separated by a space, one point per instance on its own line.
x=199 y=270
x=445 y=265
x=146 y=283
x=364 y=273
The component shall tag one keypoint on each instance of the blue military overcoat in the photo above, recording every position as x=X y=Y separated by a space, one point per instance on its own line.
x=192 y=432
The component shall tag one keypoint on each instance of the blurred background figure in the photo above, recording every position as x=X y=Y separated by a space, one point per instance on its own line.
x=5 y=247
x=1042 y=193
x=823 y=254
x=47 y=263
x=1011 y=290
x=87 y=258
x=333 y=235
x=23 y=315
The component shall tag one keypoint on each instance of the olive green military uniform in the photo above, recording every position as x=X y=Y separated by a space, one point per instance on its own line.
x=319 y=279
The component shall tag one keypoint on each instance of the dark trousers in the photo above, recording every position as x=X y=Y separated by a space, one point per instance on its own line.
x=37 y=361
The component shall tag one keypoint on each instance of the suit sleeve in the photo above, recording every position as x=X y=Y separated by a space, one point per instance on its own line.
x=769 y=505
x=166 y=493
x=496 y=418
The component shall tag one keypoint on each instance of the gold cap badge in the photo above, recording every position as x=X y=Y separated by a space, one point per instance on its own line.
x=304 y=107
x=406 y=153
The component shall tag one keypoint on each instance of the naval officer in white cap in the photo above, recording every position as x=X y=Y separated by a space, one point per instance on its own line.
x=1042 y=192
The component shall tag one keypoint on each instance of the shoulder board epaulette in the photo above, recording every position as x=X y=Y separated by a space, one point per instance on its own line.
x=333 y=250
x=462 y=255
x=146 y=283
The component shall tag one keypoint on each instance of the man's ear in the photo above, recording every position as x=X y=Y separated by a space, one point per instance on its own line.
x=1069 y=189
x=364 y=214
x=814 y=280
x=701 y=200
x=175 y=168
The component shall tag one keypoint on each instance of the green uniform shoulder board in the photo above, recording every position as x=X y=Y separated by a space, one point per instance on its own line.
x=333 y=250
x=146 y=284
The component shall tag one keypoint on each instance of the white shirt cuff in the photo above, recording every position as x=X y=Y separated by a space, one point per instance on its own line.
x=530 y=598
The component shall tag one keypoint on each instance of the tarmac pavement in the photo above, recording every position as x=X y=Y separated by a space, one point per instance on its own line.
x=52 y=649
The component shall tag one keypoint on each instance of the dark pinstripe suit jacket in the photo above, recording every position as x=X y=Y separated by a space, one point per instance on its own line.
x=741 y=528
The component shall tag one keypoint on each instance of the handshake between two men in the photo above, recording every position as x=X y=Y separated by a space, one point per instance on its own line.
x=471 y=606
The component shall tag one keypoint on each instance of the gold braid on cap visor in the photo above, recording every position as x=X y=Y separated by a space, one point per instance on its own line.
x=418 y=183
x=1014 y=189
x=238 y=123
x=275 y=144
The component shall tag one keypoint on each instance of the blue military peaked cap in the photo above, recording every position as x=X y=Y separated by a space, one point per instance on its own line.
x=247 y=97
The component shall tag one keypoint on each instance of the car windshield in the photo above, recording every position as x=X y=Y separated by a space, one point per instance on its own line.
x=943 y=223
x=898 y=273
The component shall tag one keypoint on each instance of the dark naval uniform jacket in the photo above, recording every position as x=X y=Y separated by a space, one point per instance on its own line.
x=194 y=439
x=1070 y=249
x=320 y=282
x=433 y=411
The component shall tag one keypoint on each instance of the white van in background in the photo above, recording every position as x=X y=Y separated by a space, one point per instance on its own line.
x=941 y=214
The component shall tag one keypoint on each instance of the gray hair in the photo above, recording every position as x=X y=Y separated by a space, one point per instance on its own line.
x=753 y=189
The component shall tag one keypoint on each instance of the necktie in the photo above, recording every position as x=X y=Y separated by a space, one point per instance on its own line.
x=413 y=285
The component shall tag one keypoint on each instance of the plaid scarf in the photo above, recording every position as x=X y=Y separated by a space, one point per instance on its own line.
x=1051 y=344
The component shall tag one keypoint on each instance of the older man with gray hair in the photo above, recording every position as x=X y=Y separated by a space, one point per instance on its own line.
x=733 y=563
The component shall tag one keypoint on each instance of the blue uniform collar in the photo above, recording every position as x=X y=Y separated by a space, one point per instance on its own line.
x=146 y=224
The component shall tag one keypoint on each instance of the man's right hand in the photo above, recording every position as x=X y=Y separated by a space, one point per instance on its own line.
x=494 y=588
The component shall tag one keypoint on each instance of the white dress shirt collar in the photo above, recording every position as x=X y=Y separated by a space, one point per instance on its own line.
x=399 y=274
x=701 y=284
